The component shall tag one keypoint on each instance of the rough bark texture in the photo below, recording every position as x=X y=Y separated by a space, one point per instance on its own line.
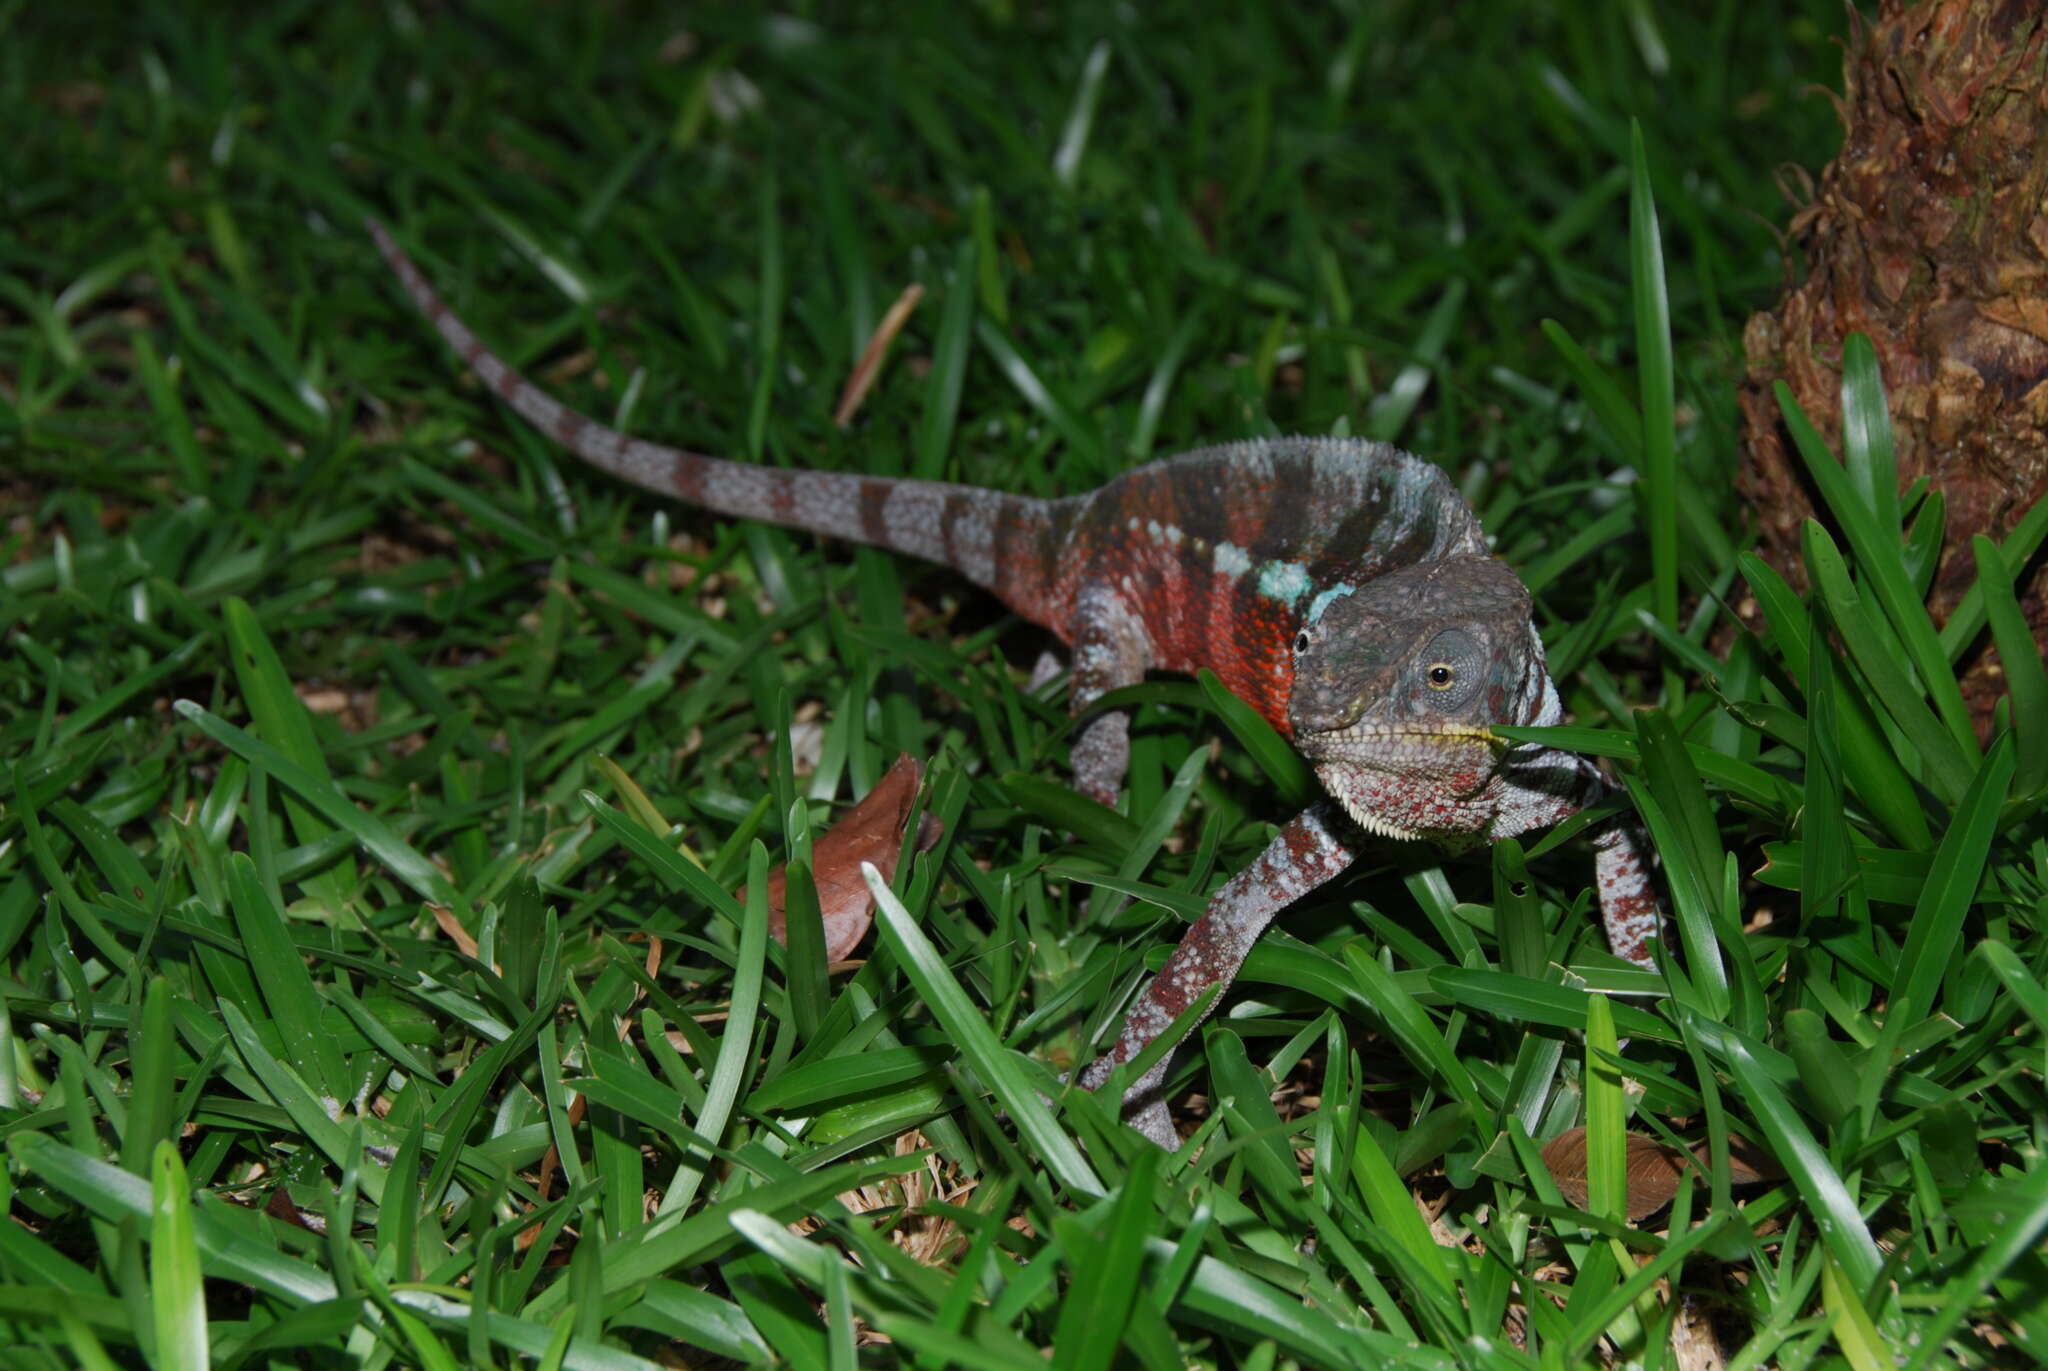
x=1929 y=233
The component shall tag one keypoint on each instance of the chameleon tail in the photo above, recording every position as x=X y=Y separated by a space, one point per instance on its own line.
x=1008 y=543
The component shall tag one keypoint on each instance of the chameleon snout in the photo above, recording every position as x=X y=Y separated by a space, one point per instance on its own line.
x=1336 y=719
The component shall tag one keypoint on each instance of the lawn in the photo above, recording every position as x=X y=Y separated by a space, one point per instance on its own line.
x=376 y=782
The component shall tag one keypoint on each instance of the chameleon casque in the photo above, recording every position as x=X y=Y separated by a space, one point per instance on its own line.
x=1340 y=587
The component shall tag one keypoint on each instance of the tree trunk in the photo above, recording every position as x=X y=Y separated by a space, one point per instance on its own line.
x=1929 y=233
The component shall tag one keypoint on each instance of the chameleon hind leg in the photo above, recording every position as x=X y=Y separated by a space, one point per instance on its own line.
x=1308 y=851
x=1111 y=649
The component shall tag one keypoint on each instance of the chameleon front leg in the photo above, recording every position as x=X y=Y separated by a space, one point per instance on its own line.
x=1308 y=851
x=1628 y=901
x=1111 y=648
x=1543 y=786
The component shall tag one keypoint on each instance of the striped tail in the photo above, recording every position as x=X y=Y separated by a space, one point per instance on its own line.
x=1007 y=543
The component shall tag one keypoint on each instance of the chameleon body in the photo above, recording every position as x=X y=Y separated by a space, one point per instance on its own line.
x=1340 y=587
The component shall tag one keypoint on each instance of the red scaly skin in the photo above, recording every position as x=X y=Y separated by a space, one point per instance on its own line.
x=1224 y=552
x=1340 y=587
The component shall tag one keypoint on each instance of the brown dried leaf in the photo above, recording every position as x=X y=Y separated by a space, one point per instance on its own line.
x=1653 y=1171
x=872 y=831
x=1748 y=1164
x=550 y=1162
x=864 y=372
x=281 y=1206
x=452 y=926
x=1653 y=1168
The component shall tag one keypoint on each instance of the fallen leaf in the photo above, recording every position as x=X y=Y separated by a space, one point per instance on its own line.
x=872 y=831
x=452 y=926
x=1748 y=1164
x=1652 y=1168
x=281 y=1206
x=869 y=366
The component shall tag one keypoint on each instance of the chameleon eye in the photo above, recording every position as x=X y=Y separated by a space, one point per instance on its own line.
x=1452 y=667
x=1301 y=642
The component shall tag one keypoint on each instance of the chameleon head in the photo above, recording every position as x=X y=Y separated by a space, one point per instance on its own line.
x=1396 y=683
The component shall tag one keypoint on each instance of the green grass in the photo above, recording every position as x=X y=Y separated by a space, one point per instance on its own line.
x=308 y=643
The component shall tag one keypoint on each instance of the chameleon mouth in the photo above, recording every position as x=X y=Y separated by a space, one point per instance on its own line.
x=1404 y=781
x=1389 y=744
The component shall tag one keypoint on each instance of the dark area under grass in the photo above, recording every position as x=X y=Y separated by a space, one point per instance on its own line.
x=373 y=778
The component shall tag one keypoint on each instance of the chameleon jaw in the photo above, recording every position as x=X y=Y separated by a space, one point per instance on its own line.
x=1407 y=781
x=1396 y=747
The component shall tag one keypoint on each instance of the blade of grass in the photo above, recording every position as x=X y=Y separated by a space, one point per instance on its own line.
x=1658 y=393
x=1824 y=1068
x=1420 y=1039
x=1694 y=905
x=1066 y=162
x=1861 y=1345
x=1948 y=764
x=177 y=1295
x=288 y=990
x=735 y=1055
x=1095 y=1311
x=1841 y=1225
x=949 y=367
x=1880 y=558
x=989 y=285
x=2023 y=1210
x=996 y=1066
x=1089 y=820
x=1392 y=1206
x=1485 y=991
x=112 y=1194
x=1867 y=433
x=1395 y=405
x=1873 y=769
x=279 y=718
x=2012 y=974
x=2018 y=548
x=1601 y=393
x=174 y=420
x=2019 y=653
x=150 y=1084
x=370 y=832
x=1935 y=937
x=676 y=1242
x=1606 y=1116
x=1283 y=766
x=1823 y=829
x=1057 y=409
x=677 y=871
x=767 y=319
x=1600 y=1318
